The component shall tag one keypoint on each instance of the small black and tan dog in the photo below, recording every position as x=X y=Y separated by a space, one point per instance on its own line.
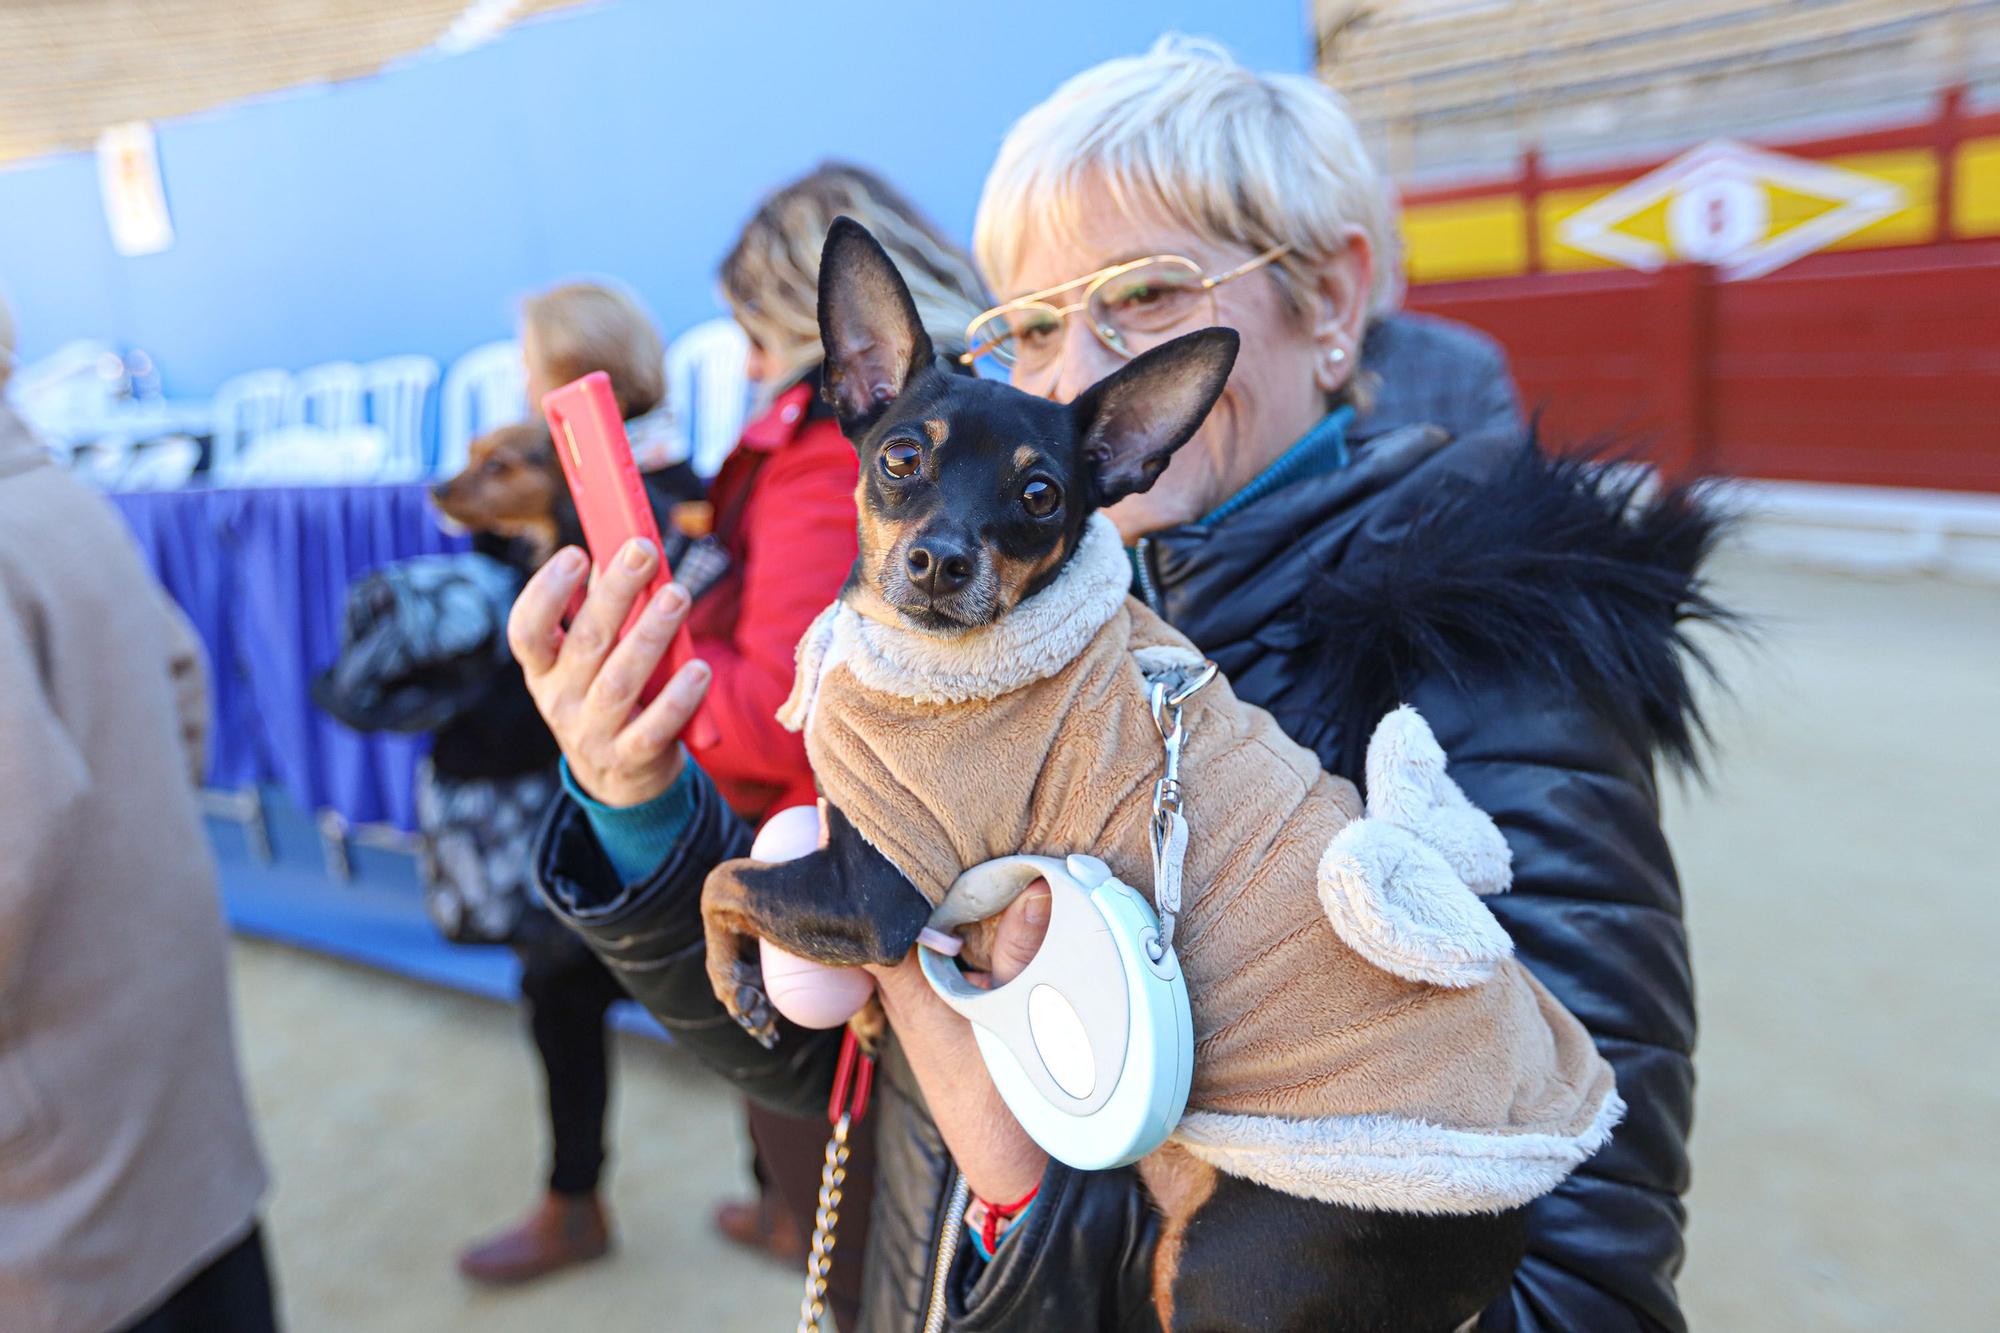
x=973 y=495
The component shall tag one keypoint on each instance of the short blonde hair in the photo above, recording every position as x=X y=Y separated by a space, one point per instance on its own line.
x=580 y=327
x=1258 y=160
x=771 y=276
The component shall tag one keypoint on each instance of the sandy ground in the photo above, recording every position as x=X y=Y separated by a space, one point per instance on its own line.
x=1842 y=878
x=1843 y=896
x=402 y=1121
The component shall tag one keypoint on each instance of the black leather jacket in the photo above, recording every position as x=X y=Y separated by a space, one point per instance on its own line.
x=1532 y=613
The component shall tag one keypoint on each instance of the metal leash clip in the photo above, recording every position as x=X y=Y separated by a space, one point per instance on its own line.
x=855 y=1074
x=1171 y=691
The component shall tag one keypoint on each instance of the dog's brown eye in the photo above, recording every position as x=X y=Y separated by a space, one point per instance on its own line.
x=1040 y=498
x=902 y=460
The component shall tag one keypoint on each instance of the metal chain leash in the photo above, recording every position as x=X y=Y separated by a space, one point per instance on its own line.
x=1171 y=691
x=854 y=1073
x=832 y=1176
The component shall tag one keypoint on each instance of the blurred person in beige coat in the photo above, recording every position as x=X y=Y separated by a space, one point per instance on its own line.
x=129 y=1175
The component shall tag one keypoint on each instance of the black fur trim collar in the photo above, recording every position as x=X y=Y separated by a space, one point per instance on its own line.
x=1584 y=575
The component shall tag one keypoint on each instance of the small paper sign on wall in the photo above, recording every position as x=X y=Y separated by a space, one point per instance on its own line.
x=135 y=203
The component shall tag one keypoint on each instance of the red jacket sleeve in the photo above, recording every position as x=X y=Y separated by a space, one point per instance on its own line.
x=799 y=544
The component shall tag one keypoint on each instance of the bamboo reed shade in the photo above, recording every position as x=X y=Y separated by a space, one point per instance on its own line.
x=68 y=68
x=1425 y=77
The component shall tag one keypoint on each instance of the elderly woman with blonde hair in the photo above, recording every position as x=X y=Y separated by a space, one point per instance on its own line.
x=1336 y=556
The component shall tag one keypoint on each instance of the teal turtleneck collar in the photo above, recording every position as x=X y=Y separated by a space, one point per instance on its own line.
x=1320 y=450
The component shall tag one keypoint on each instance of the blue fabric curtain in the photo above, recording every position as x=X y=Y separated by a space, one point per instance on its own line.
x=263 y=575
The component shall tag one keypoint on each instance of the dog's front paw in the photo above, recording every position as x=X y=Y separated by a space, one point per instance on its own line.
x=750 y=1005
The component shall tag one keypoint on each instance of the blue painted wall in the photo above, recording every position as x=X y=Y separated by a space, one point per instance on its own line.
x=408 y=212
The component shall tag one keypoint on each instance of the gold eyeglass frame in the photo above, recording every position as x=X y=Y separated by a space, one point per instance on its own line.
x=1091 y=283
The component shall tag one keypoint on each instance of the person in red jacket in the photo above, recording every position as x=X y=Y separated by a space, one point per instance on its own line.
x=783 y=506
x=783 y=500
x=783 y=513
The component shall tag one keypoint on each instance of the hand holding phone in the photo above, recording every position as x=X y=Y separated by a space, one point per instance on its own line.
x=611 y=505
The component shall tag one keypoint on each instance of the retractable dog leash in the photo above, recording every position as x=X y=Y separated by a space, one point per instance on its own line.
x=1092 y=1045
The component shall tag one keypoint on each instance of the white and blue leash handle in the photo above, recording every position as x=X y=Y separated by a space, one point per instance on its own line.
x=1092 y=1045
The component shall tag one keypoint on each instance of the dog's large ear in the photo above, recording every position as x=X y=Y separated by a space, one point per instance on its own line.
x=1132 y=420
x=875 y=343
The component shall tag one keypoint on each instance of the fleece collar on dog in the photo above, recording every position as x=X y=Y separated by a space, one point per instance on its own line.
x=1032 y=642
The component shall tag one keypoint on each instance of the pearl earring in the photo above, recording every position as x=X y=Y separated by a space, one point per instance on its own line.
x=1337 y=355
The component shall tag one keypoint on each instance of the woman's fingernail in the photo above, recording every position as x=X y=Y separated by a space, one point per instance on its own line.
x=699 y=672
x=569 y=560
x=1036 y=912
x=637 y=552
x=673 y=600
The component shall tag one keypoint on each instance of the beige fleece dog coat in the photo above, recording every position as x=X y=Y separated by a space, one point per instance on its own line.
x=1363 y=1034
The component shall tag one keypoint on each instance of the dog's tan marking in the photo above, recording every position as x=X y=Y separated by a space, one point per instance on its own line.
x=877 y=539
x=936 y=428
x=1017 y=575
x=1180 y=1184
x=1025 y=457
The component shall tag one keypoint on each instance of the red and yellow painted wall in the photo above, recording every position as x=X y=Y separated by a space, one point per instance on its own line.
x=1946 y=171
x=1720 y=306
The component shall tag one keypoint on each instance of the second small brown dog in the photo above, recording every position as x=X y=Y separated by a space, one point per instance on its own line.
x=512 y=486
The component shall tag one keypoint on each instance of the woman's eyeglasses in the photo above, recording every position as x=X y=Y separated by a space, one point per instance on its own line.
x=1130 y=307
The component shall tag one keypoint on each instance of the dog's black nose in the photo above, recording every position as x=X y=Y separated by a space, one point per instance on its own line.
x=440 y=490
x=938 y=567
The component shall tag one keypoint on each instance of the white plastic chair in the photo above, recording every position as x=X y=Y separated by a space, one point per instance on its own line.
x=302 y=455
x=399 y=389
x=484 y=389
x=708 y=391
x=246 y=408
x=332 y=396
x=66 y=393
x=160 y=465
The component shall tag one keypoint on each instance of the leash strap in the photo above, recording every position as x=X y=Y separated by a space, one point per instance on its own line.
x=1171 y=691
x=853 y=1080
x=1170 y=838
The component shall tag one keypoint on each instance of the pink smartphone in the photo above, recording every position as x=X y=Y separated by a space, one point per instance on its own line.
x=611 y=505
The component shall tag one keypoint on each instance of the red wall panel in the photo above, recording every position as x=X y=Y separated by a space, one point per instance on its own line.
x=1877 y=368
x=1880 y=367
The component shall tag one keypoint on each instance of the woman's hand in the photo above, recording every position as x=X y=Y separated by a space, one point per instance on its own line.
x=1000 y=1161
x=586 y=682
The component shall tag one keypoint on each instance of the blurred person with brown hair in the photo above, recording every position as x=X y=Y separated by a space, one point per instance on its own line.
x=486 y=764
x=130 y=1180
x=770 y=279
x=575 y=328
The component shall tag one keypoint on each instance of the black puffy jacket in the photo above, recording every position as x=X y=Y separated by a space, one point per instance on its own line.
x=1531 y=609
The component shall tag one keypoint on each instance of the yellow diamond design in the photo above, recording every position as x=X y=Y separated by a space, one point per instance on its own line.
x=1745 y=210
